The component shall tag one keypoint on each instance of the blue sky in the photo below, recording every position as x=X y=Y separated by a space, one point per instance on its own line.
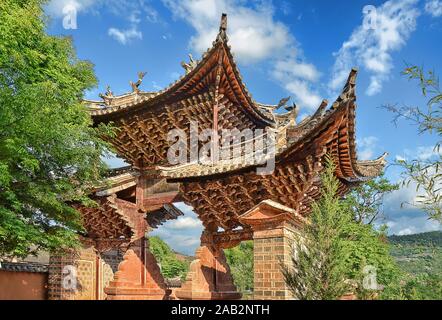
x=300 y=48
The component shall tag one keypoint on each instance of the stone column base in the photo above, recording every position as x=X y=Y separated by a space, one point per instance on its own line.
x=209 y=277
x=138 y=278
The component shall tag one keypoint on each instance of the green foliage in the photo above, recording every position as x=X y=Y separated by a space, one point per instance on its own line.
x=240 y=260
x=320 y=250
x=336 y=246
x=171 y=266
x=424 y=173
x=49 y=152
x=368 y=248
x=366 y=199
x=419 y=256
x=417 y=259
x=423 y=287
x=159 y=248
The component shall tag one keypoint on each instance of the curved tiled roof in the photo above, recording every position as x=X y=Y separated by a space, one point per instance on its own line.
x=134 y=101
x=301 y=133
x=212 y=92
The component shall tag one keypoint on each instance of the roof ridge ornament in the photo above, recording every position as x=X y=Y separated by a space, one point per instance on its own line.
x=283 y=103
x=135 y=86
x=293 y=112
x=321 y=110
x=348 y=92
x=189 y=67
x=222 y=34
x=107 y=97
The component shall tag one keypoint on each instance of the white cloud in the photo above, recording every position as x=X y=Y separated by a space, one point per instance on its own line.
x=370 y=48
x=406 y=200
x=402 y=218
x=151 y=14
x=135 y=12
x=421 y=153
x=186 y=244
x=186 y=241
x=290 y=68
x=303 y=93
x=55 y=7
x=434 y=8
x=366 y=147
x=125 y=36
x=183 y=234
x=397 y=202
x=255 y=36
x=406 y=225
x=185 y=223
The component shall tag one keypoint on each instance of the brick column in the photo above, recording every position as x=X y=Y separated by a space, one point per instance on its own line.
x=273 y=228
x=81 y=274
x=271 y=249
x=73 y=275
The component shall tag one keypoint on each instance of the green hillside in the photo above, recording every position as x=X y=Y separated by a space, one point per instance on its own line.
x=427 y=238
x=419 y=256
x=418 y=253
x=172 y=264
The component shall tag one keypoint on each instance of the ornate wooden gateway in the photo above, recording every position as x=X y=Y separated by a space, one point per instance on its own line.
x=233 y=200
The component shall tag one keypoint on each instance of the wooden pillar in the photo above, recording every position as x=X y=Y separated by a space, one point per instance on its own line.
x=140 y=191
x=273 y=227
x=209 y=276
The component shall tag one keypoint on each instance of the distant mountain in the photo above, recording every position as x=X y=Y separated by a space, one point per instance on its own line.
x=428 y=238
x=418 y=253
x=183 y=257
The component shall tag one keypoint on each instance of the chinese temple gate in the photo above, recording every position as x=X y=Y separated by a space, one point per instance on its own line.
x=233 y=201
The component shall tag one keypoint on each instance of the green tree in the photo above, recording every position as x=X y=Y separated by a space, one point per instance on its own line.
x=240 y=260
x=366 y=199
x=369 y=254
x=171 y=266
x=319 y=270
x=337 y=250
x=425 y=173
x=368 y=247
x=49 y=152
x=159 y=248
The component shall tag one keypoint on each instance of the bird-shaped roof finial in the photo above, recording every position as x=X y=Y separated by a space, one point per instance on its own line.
x=135 y=86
